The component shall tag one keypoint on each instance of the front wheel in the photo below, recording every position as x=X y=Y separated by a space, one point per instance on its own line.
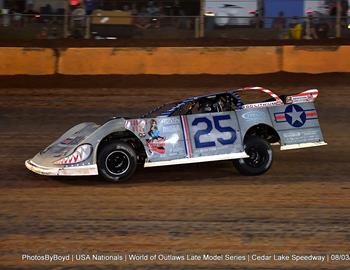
x=260 y=157
x=117 y=161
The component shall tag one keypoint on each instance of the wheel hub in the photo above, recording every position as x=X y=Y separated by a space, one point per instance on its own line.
x=256 y=157
x=117 y=162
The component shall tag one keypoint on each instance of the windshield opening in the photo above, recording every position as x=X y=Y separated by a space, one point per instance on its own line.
x=160 y=110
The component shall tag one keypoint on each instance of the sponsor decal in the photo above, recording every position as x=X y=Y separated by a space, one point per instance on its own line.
x=295 y=115
x=137 y=126
x=262 y=105
x=72 y=140
x=155 y=142
x=253 y=115
x=299 y=99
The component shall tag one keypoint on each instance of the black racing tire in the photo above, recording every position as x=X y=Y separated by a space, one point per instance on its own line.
x=260 y=157
x=116 y=161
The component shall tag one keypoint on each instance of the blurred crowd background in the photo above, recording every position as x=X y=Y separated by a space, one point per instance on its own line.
x=174 y=19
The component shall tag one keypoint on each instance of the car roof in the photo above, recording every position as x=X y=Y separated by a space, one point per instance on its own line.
x=234 y=93
x=195 y=98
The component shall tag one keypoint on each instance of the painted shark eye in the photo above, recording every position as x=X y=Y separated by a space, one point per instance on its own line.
x=80 y=154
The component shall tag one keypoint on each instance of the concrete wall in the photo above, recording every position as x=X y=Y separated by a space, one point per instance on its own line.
x=179 y=60
x=164 y=61
x=314 y=59
x=27 y=61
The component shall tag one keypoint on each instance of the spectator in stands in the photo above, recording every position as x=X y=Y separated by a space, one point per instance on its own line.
x=179 y=20
x=154 y=12
x=295 y=29
x=310 y=27
x=78 y=13
x=17 y=17
x=89 y=6
x=332 y=6
x=176 y=8
x=30 y=13
x=142 y=20
x=279 y=23
x=78 y=17
x=344 y=12
x=152 y=9
x=256 y=21
x=46 y=10
x=74 y=3
x=333 y=12
x=134 y=11
x=5 y=18
x=322 y=28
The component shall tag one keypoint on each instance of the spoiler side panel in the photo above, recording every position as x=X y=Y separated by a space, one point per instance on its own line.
x=303 y=97
x=297 y=125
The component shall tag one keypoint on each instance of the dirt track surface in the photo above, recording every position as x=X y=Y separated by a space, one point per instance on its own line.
x=302 y=205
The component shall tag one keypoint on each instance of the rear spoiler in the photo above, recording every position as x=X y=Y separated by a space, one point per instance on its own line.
x=306 y=96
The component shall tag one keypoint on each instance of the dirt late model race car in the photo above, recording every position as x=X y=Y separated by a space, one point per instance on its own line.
x=214 y=127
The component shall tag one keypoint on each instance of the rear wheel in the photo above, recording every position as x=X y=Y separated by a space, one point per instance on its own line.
x=117 y=161
x=260 y=157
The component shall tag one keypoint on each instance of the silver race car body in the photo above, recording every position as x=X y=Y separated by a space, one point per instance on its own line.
x=198 y=129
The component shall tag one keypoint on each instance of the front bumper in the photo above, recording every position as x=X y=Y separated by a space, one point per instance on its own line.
x=67 y=171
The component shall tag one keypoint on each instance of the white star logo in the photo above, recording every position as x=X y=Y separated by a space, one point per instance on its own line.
x=295 y=115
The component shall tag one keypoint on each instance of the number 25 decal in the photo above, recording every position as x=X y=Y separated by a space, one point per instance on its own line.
x=209 y=128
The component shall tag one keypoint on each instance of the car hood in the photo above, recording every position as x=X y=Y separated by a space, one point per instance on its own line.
x=64 y=145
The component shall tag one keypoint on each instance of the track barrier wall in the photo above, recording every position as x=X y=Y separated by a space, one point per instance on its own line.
x=175 y=60
x=316 y=59
x=169 y=60
x=27 y=61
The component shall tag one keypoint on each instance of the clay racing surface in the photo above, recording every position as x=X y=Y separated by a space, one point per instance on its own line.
x=301 y=206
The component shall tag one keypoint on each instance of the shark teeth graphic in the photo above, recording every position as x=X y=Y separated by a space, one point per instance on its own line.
x=79 y=155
